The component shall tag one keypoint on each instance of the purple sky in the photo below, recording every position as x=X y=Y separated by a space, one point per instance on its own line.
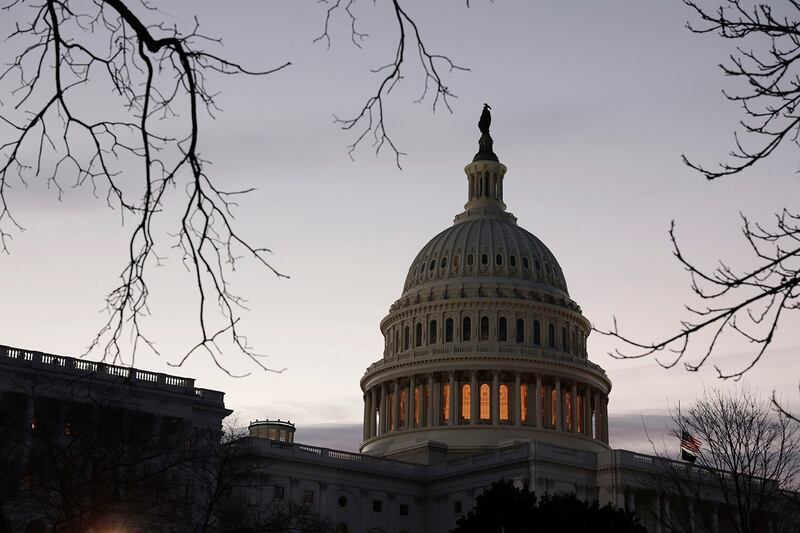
x=593 y=103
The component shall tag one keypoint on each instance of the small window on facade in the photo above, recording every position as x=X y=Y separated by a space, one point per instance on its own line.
x=443 y=262
x=406 y=337
x=470 y=259
x=457 y=507
x=342 y=501
x=551 y=336
x=537 y=333
x=432 y=332
x=484 y=259
x=308 y=497
x=520 y=330
x=456 y=260
x=502 y=329
x=525 y=264
x=512 y=260
x=433 y=264
x=403 y=509
x=377 y=506
x=564 y=343
x=498 y=259
x=278 y=493
x=485 y=328
x=466 y=326
x=448 y=330
x=537 y=265
x=418 y=334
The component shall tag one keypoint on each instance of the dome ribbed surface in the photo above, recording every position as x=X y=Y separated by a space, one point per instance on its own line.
x=485 y=247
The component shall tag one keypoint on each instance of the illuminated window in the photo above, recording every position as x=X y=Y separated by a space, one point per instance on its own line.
x=448 y=330
x=568 y=409
x=523 y=403
x=403 y=404
x=503 y=402
x=466 y=327
x=537 y=333
x=502 y=329
x=432 y=332
x=466 y=404
x=485 y=328
x=486 y=394
x=273 y=434
x=520 y=330
x=553 y=402
x=445 y=402
x=417 y=407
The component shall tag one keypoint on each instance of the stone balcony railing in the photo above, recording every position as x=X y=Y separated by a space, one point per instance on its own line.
x=74 y=366
x=426 y=353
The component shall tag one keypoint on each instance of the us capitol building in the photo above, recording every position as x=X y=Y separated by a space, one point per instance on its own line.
x=484 y=376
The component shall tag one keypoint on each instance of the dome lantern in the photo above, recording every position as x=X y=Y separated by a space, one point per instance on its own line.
x=485 y=173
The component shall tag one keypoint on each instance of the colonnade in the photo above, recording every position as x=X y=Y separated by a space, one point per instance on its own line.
x=485 y=397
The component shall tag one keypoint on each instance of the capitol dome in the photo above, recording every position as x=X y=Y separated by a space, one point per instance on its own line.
x=484 y=347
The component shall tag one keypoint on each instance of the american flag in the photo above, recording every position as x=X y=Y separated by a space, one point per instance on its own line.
x=690 y=443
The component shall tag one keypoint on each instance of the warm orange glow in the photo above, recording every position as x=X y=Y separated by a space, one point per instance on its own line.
x=568 y=409
x=553 y=402
x=504 y=402
x=579 y=414
x=523 y=403
x=485 y=402
x=391 y=411
x=416 y=407
x=403 y=407
x=466 y=404
x=446 y=402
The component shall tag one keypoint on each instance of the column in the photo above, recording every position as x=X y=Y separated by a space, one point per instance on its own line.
x=473 y=398
x=436 y=401
x=537 y=398
x=430 y=407
x=604 y=402
x=384 y=409
x=395 y=404
x=411 y=404
x=453 y=416
x=587 y=412
x=494 y=406
x=518 y=399
x=559 y=405
x=548 y=406
x=596 y=415
x=372 y=429
x=365 y=426
x=574 y=409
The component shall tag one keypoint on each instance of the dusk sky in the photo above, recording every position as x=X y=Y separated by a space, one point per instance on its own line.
x=593 y=104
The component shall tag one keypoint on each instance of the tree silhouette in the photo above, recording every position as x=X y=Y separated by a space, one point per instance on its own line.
x=745 y=304
x=140 y=149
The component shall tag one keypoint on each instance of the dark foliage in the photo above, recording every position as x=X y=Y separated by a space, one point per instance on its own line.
x=505 y=508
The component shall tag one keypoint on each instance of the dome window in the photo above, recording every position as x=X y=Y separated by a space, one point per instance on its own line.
x=485 y=328
x=432 y=332
x=525 y=263
x=512 y=260
x=498 y=259
x=537 y=333
x=502 y=329
x=418 y=334
x=537 y=265
x=443 y=263
x=486 y=400
x=448 y=330
x=456 y=260
x=520 y=330
x=433 y=264
x=504 y=403
x=564 y=339
x=470 y=259
x=466 y=326
x=406 y=337
x=551 y=336
x=484 y=259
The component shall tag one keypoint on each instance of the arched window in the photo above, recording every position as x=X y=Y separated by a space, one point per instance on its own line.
x=418 y=334
x=396 y=340
x=502 y=329
x=523 y=403
x=443 y=262
x=525 y=263
x=466 y=403
x=484 y=259
x=520 y=330
x=403 y=404
x=551 y=336
x=485 y=328
x=432 y=332
x=466 y=329
x=406 y=338
x=498 y=259
x=445 y=414
x=504 y=402
x=470 y=259
x=448 y=330
x=433 y=264
x=417 y=406
x=512 y=260
x=486 y=411
x=564 y=343
x=537 y=333
x=568 y=418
